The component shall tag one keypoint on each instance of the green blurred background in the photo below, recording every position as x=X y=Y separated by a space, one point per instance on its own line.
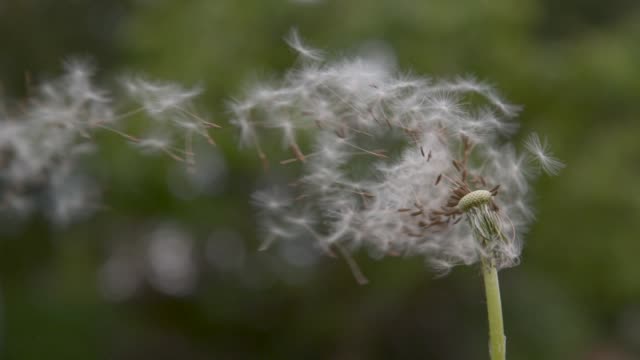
x=169 y=268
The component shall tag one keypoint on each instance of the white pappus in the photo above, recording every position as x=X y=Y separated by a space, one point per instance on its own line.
x=43 y=136
x=389 y=157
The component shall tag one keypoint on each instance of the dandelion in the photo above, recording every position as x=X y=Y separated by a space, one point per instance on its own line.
x=399 y=165
x=43 y=139
x=294 y=41
x=541 y=153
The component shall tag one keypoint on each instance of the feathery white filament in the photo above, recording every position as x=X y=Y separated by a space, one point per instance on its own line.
x=541 y=152
x=40 y=144
x=390 y=157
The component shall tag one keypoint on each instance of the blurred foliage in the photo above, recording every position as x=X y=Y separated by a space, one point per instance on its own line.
x=574 y=66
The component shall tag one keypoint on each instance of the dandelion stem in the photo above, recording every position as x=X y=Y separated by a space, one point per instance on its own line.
x=497 y=340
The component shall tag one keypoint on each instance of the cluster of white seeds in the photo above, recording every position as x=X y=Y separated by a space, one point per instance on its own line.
x=42 y=137
x=386 y=158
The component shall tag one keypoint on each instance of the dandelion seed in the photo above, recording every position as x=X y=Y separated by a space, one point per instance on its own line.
x=271 y=200
x=542 y=154
x=157 y=97
x=295 y=42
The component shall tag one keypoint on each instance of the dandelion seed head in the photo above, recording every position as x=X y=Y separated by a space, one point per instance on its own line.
x=474 y=198
x=389 y=160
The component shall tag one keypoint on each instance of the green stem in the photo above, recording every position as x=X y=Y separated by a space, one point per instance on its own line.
x=497 y=340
